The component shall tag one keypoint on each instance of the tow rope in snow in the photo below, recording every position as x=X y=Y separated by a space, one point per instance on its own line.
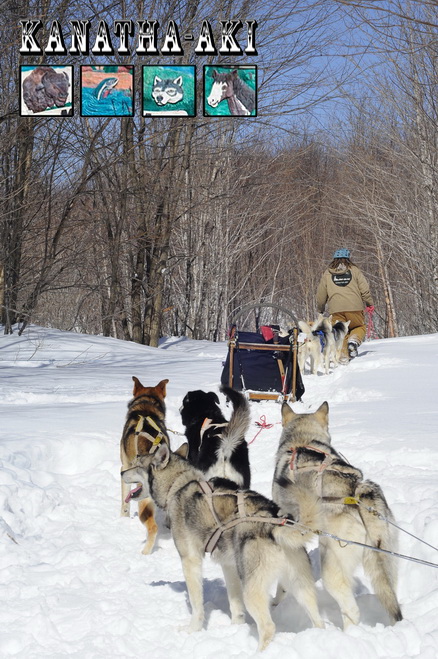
x=263 y=426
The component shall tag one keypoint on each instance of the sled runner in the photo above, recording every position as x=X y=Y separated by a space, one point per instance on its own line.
x=263 y=364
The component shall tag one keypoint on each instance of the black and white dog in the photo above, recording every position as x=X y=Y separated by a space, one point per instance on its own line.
x=321 y=341
x=217 y=446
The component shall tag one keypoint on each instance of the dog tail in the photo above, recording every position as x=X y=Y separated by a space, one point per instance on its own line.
x=381 y=568
x=304 y=327
x=339 y=326
x=238 y=425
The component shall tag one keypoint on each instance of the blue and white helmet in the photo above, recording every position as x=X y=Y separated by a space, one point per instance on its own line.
x=342 y=254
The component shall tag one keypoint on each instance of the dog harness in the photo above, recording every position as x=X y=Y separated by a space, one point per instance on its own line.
x=321 y=336
x=139 y=429
x=329 y=458
x=206 y=425
x=242 y=516
x=325 y=464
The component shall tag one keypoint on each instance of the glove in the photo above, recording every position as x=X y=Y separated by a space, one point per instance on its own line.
x=370 y=309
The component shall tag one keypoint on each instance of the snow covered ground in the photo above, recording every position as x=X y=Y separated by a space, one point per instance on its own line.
x=73 y=581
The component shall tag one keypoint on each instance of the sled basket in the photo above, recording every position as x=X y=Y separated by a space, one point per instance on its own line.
x=264 y=364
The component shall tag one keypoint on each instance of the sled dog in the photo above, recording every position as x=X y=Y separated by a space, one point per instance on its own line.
x=243 y=532
x=144 y=429
x=322 y=342
x=217 y=446
x=307 y=463
x=309 y=347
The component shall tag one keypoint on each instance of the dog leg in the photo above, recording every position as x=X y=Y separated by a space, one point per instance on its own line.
x=234 y=590
x=192 y=568
x=302 y=355
x=146 y=510
x=315 y=359
x=337 y=578
x=279 y=595
x=299 y=574
x=258 y=569
x=256 y=597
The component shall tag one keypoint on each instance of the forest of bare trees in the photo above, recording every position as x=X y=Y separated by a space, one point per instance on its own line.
x=137 y=228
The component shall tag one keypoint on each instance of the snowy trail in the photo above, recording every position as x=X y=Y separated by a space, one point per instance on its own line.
x=73 y=580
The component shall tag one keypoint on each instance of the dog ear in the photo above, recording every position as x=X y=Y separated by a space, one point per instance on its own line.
x=137 y=385
x=304 y=327
x=347 y=323
x=287 y=414
x=162 y=387
x=214 y=397
x=183 y=450
x=321 y=414
x=161 y=456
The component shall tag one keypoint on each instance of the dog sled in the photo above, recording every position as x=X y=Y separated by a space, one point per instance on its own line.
x=263 y=364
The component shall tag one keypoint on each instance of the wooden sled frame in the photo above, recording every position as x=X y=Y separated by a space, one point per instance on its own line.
x=272 y=347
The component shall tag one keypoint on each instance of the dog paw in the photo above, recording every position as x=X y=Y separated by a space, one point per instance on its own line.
x=193 y=626
x=266 y=637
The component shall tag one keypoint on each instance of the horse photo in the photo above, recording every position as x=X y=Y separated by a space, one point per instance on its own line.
x=230 y=92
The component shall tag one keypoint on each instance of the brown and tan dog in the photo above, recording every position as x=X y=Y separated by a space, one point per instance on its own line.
x=144 y=430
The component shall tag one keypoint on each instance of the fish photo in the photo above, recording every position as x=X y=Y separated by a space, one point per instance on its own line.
x=107 y=91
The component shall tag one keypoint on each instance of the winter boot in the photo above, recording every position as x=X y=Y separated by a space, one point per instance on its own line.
x=352 y=349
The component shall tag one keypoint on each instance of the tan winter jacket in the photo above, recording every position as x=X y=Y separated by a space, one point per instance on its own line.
x=343 y=291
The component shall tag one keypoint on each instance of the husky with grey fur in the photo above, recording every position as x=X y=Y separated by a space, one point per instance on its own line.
x=307 y=465
x=322 y=343
x=309 y=347
x=253 y=554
